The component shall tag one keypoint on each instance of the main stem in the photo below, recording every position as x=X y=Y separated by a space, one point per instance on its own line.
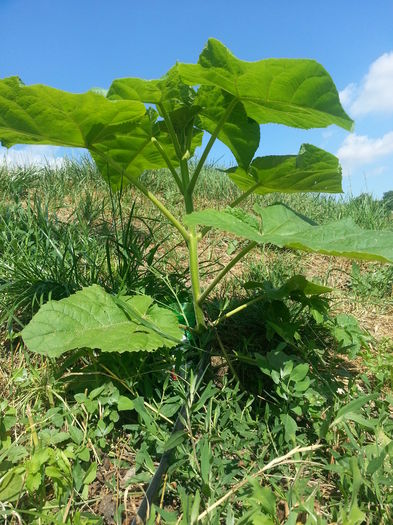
x=195 y=279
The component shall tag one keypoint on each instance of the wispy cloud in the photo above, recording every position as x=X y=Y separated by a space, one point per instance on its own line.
x=357 y=150
x=374 y=94
x=32 y=155
x=348 y=94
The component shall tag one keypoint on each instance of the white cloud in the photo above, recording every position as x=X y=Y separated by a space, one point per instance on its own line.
x=375 y=92
x=32 y=155
x=357 y=150
x=348 y=94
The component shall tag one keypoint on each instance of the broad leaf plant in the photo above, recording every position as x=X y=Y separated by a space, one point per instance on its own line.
x=140 y=125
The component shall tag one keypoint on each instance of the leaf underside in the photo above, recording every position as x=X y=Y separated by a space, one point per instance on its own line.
x=294 y=92
x=118 y=130
x=285 y=228
x=40 y=114
x=311 y=170
x=92 y=318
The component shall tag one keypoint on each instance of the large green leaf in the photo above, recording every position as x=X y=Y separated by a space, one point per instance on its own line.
x=43 y=115
x=123 y=157
x=240 y=133
x=170 y=95
x=92 y=318
x=169 y=91
x=311 y=170
x=287 y=229
x=283 y=227
x=294 y=92
x=230 y=220
x=118 y=133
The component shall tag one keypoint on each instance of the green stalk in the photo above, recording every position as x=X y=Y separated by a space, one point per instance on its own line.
x=168 y=163
x=171 y=130
x=237 y=310
x=209 y=145
x=195 y=280
x=244 y=195
x=164 y=210
x=141 y=187
x=225 y=270
x=188 y=201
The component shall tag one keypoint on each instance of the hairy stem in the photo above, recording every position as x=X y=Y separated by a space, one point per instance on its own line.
x=188 y=200
x=225 y=270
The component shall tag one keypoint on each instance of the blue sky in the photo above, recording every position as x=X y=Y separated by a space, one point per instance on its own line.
x=76 y=45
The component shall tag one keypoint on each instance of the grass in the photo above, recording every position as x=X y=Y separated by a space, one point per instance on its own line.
x=293 y=419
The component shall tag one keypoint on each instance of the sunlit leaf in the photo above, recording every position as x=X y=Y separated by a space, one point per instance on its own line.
x=240 y=133
x=285 y=228
x=297 y=283
x=123 y=157
x=172 y=97
x=43 y=115
x=294 y=92
x=311 y=170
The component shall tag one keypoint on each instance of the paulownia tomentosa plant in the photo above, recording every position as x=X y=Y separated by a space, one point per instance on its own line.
x=229 y=99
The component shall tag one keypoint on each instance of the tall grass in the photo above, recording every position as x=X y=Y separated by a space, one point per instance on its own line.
x=60 y=230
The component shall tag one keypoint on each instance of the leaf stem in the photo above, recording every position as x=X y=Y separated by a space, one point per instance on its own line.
x=238 y=309
x=244 y=195
x=163 y=209
x=168 y=163
x=188 y=201
x=226 y=269
x=209 y=145
x=171 y=130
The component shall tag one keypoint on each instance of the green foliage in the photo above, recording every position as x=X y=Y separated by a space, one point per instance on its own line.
x=233 y=98
x=43 y=115
x=291 y=173
x=283 y=227
x=387 y=199
x=297 y=93
x=222 y=435
x=92 y=318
